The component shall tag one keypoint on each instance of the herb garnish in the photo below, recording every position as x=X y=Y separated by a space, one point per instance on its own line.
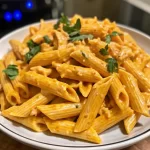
x=104 y=51
x=31 y=44
x=11 y=71
x=47 y=39
x=64 y=19
x=32 y=53
x=109 y=36
x=81 y=37
x=73 y=31
x=112 y=65
x=115 y=33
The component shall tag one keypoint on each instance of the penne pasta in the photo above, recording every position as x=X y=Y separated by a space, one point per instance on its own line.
x=3 y=102
x=25 y=109
x=52 y=85
x=19 y=49
x=47 y=58
x=60 y=111
x=136 y=98
x=11 y=95
x=103 y=123
x=147 y=98
x=119 y=93
x=88 y=59
x=21 y=88
x=37 y=124
x=58 y=100
x=41 y=70
x=77 y=73
x=92 y=105
x=131 y=121
x=143 y=82
x=65 y=127
x=85 y=88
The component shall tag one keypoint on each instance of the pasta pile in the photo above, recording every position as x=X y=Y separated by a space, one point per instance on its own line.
x=76 y=78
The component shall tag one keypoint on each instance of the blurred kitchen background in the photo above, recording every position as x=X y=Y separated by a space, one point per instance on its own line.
x=17 y=13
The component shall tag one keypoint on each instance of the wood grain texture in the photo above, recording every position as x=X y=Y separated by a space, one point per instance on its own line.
x=7 y=143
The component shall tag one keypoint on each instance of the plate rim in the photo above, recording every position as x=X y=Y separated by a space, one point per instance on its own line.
x=38 y=144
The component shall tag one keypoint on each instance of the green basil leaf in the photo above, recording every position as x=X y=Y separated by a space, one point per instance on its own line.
x=115 y=33
x=11 y=71
x=108 y=39
x=64 y=19
x=75 y=28
x=31 y=44
x=103 y=51
x=32 y=53
x=75 y=33
x=47 y=39
x=112 y=65
x=81 y=37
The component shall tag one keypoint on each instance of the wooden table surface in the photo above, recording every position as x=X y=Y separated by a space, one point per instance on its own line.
x=7 y=143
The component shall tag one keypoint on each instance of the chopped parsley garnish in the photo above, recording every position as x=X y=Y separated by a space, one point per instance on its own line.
x=72 y=30
x=84 y=55
x=108 y=39
x=81 y=37
x=104 y=51
x=32 y=53
x=109 y=36
x=47 y=39
x=11 y=71
x=112 y=65
x=64 y=19
x=115 y=33
x=31 y=44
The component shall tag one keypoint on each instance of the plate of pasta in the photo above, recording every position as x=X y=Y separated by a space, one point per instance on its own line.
x=75 y=83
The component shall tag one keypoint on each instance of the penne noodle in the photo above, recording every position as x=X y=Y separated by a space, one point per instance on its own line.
x=103 y=123
x=60 y=111
x=37 y=124
x=11 y=95
x=47 y=58
x=19 y=49
x=88 y=59
x=77 y=73
x=143 y=82
x=119 y=93
x=21 y=88
x=33 y=90
x=65 y=127
x=41 y=70
x=25 y=109
x=60 y=39
x=52 y=85
x=85 y=88
x=73 y=83
x=93 y=104
x=58 y=100
x=10 y=58
x=147 y=98
x=3 y=102
x=136 y=98
x=131 y=121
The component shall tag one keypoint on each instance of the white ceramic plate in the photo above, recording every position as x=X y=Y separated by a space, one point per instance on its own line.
x=113 y=138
